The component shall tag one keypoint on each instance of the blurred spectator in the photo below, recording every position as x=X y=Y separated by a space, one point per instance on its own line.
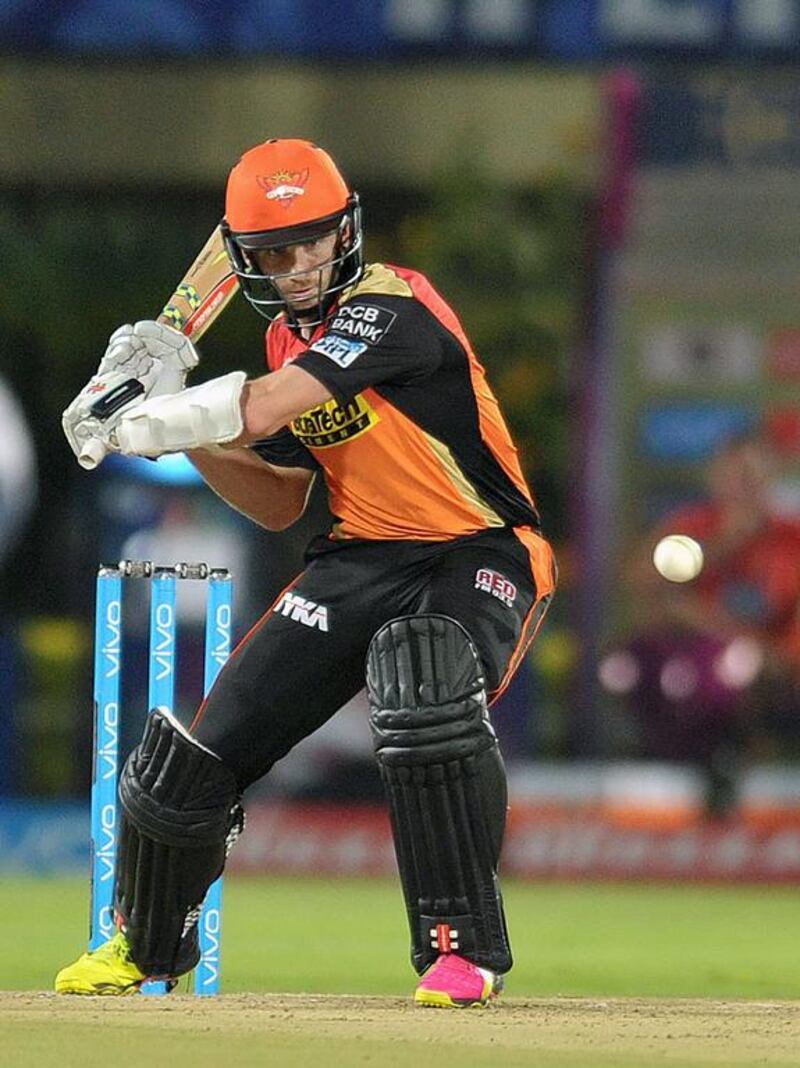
x=17 y=470
x=17 y=497
x=713 y=672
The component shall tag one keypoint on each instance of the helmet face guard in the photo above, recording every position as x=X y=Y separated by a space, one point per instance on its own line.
x=263 y=290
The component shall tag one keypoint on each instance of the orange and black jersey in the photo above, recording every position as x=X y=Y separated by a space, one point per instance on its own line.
x=413 y=444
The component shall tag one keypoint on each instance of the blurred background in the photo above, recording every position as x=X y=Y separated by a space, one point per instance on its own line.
x=607 y=191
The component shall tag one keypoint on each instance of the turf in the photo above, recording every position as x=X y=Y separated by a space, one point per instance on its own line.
x=348 y=936
x=295 y=1031
x=602 y=979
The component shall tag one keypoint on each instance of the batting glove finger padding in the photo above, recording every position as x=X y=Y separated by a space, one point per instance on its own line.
x=166 y=343
x=156 y=354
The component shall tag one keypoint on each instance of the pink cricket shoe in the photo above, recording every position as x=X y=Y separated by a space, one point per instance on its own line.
x=455 y=983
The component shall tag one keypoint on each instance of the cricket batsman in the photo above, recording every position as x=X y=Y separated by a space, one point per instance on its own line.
x=431 y=584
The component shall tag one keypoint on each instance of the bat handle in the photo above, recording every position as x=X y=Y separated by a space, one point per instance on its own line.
x=94 y=451
x=92 y=454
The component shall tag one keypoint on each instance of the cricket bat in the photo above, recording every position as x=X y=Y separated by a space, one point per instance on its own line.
x=203 y=292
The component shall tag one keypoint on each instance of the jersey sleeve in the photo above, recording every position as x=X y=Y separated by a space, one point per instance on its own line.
x=370 y=340
x=284 y=450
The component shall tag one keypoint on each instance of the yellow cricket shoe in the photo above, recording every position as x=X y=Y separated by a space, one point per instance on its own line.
x=108 y=971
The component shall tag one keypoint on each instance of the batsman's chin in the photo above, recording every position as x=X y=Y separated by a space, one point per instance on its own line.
x=305 y=300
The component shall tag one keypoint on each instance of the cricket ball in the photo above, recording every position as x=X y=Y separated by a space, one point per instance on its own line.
x=678 y=558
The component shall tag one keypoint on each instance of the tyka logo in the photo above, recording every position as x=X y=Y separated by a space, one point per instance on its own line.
x=302 y=611
x=222 y=634
x=210 y=931
x=112 y=642
x=498 y=585
x=164 y=648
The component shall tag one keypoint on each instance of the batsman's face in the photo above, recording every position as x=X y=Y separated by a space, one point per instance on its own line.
x=301 y=272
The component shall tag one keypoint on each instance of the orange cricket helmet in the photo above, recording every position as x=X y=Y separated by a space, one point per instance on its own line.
x=282 y=192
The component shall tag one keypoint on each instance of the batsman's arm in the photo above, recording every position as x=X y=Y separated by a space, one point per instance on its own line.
x=274 y=497
x=228 y=411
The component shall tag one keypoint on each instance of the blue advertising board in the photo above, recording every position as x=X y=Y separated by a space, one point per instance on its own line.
x=559 y=29
x=44 y=838
x=692 y=432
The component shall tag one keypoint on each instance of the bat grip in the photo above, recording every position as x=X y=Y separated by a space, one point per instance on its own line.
x=95 y=451
x=117 y=398
x=92 y=454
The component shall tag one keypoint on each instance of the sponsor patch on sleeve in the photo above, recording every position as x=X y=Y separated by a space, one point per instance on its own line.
x=341 y=350
x=363 y=322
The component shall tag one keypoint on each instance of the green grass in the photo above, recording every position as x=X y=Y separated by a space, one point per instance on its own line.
x=349 y=936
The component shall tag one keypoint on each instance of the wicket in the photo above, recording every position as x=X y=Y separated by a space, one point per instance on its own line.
x=161 y=692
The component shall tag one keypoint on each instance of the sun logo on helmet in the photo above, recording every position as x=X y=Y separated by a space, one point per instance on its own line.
x=284 y=186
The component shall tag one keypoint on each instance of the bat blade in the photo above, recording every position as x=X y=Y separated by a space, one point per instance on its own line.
x=203 y=292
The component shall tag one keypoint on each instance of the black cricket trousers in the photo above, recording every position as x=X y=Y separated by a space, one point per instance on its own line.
x=305 y=657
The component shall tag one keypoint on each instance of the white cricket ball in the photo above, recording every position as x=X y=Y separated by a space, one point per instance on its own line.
x=678 y=558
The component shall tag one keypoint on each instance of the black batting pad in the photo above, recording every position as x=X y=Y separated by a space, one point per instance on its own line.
x=181 y=814
x=445 y=784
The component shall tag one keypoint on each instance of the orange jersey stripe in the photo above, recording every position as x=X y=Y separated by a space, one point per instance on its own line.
x=543 y=569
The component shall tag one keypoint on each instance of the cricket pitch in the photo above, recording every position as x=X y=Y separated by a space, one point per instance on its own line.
x=299 y=1030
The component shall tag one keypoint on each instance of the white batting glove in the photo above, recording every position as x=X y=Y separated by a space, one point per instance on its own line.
x=156 y=354
x=95 y=411
x=149 y=353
